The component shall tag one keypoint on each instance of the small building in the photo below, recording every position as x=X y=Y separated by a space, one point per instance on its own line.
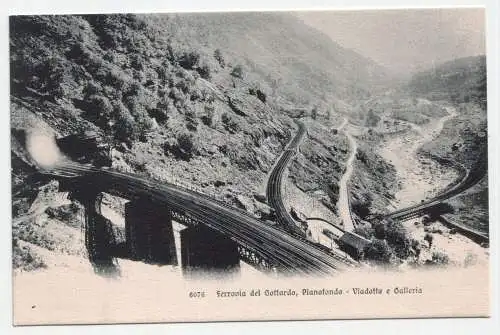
x=353 y=244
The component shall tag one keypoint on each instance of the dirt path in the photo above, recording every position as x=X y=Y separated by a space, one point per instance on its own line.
x=420 y=178
x=343 y=203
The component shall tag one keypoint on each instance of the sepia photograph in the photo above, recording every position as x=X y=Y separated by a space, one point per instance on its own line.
x=249 y=166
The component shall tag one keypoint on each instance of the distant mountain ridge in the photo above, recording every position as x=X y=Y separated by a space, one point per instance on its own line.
x=460 y=80
x=302 y=63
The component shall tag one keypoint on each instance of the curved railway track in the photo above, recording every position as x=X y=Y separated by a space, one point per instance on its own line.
x=282 y=250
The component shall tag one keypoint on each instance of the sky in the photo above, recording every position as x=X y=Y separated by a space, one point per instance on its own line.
x=405 y=41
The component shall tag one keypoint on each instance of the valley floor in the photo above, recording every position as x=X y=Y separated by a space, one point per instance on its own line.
x=421 y=178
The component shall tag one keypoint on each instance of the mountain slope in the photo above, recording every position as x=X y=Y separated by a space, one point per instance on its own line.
x=203 y=115
x=299 y=62
x=459 y=80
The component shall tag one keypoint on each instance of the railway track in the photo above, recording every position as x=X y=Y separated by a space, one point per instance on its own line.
x=281 y=249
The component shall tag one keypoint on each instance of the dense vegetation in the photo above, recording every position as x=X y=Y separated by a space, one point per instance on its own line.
x=288 y=58
x=460 y=81
x=204 y=100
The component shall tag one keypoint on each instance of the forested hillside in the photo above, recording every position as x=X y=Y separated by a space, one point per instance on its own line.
x=201 y=100
x=461 y=80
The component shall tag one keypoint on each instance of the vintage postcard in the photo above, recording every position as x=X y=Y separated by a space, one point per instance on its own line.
x=245 y=166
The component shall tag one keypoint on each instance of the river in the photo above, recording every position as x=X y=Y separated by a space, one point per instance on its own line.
x=420 y=178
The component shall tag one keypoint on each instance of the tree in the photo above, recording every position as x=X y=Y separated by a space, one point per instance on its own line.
x=378 y=251
x=124 y=125
x=397 y=237
x=51 y=74
x=99 y=110
x=362 y=208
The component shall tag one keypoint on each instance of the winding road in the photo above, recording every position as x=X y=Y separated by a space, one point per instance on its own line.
x=343 y=203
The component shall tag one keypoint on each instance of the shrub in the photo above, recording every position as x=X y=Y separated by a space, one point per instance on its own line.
x=65 y=213
x=439 y=258
x=177 y=96
x=364 y=230
x=143 y=125
x=379 y=230
x=415 y=245
x=237 y=71
x=219 y=57
x=162 y=73
x=185 y=142
x=229 y=124
x=109 y=56
x=116 y=79
x=159 y=114
x=191 y=120
x=51 y=74
x=93 y=64
x=429 y=238
x=125 y=124
x=207 y=95
x=362 y=208
x=99 y=110
x=90 y=89
x=137 y=99
x=207 y=117
x=378 y=251
x=397 y=237
x=204 y=70
x=195 y=94
x=105 y=28
x=258 y=93
x=362 y=156
x=371 y=119
x=314 y=113
x=24 y=258
x=22 y=68
x=139 y=76
x=189 y=60
x=183 y=147
x=136 y=62
x=78 y=53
